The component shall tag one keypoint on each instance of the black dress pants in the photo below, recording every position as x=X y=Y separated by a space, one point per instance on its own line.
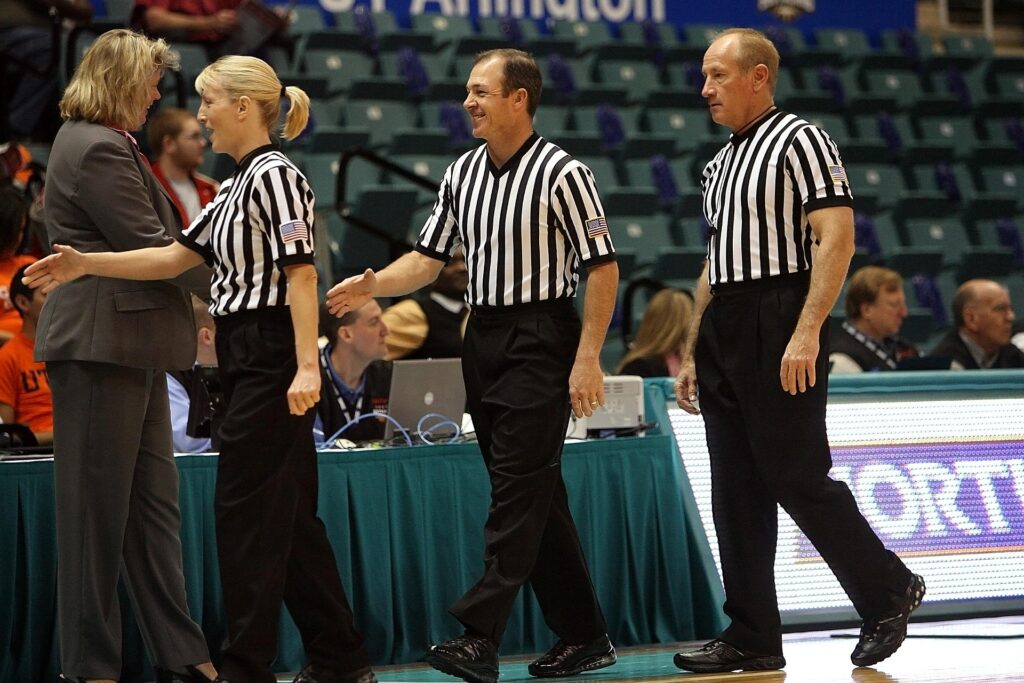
x=516 y=364
x=271 y=544
x=769 y=448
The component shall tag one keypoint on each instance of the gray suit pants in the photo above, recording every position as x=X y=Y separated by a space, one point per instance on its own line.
x=116 y=488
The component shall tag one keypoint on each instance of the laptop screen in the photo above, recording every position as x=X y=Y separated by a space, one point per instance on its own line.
x=425 y=394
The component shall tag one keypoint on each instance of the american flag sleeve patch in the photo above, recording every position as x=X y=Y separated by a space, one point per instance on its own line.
x=294 y=231
x=838 y=173
x=597 y=227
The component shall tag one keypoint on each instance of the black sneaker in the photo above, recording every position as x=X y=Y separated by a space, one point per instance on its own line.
x=569 y=660
x=719 y=657
x=879 y=638
x=471 y=658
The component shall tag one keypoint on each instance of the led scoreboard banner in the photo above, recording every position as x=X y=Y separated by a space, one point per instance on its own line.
x=940 y=481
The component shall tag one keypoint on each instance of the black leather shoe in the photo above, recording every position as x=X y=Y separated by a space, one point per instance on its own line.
x=568 y=660
x=719 y=657
x=314 y=673
x=879 y=638
x=471 y=658
x=191 y=675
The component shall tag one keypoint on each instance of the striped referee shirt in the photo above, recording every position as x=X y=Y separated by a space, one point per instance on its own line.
x=525 y=228
x=260 y=221
x=758 y=191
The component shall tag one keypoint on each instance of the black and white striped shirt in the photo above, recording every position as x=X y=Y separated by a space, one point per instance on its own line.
x=525 y=228
x=758 y=191
x=260 y=221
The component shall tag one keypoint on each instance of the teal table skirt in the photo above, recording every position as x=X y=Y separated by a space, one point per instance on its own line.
x=407 y=530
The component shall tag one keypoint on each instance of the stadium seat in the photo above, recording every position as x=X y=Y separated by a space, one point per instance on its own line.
x=687 y=126
x=380 y=117
x=636 y=77
x=634 y=33
x=678 y=263
x=445 y=29
x=956 y=131
x=587 y=35
x=941 y=232
x=645 y=235
x=848 y=44
x=326 y=54
x=882 y=180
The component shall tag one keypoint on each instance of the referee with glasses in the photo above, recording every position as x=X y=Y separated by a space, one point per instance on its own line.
x=780 y=209
x=528 y=216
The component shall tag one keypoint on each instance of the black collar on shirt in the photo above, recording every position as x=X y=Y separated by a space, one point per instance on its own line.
x=512 y=160
x=247 y=159
x=737 y=138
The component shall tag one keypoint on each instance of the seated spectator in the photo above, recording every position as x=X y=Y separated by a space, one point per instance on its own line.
x=431 y=323
x=189 y=399
x=214 y=24
x=208 y=22
x=24 y=389
x=355 y=381
x=177 y=145
x=661 y=336
x=869 y=340
x=983 y=317
x=28 y=58
x=14 y=209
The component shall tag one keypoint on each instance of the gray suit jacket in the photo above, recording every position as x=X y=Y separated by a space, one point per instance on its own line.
x=102 y=196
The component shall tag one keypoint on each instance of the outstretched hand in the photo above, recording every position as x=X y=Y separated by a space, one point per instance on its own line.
x=351 y=293
x=64 y=265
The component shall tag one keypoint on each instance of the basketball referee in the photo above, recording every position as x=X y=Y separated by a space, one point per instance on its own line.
x=780 y=210
x=528 y=216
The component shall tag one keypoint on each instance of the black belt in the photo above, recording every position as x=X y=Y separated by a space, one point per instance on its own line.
x=543 y=306
x=799 y=279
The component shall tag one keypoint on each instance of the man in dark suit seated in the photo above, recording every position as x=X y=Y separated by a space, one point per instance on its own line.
x=355 y=381
x=984 y=319
x=431 y=323
x=869 y=340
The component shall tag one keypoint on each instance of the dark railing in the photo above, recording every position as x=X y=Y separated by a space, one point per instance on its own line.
x=345 y=208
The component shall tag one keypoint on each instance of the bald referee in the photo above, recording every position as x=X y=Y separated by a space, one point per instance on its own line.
x=779 y=206
x=528 y=216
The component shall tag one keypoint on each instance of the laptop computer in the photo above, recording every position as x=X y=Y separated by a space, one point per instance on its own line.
x=424 y=387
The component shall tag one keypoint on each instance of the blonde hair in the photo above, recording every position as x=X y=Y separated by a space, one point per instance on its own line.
x=753 y=48
x=664 y=326
x=111 y=83
x=253 y=78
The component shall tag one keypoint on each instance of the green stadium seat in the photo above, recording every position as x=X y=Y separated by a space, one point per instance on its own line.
x=701 y=35
x=587 y=35
x=305 y=19
x=428 y=166
x=645 y=235
x=323 y=54
x=445 y=29
x=849 y=44
x=902 y=85
x=882 y=180
x=326 y=111
x=946 y=234
x=390 y=210
x=687 y=126
x=550 y=119
x=380 y=117
x=604 y=174
x=335 y=139
x=833 y=124
x=193 y=59
x=969 y=48
x=585 y=119
x=956 y=131
x=890 y=39
x=636 y=77
x=689 y=233
x=632 y=32
x=1005 y=76
x=678 y=263
x=321 y=170
x=1008 y=179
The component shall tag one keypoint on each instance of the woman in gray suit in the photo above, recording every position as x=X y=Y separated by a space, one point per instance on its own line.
x=107 y=344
